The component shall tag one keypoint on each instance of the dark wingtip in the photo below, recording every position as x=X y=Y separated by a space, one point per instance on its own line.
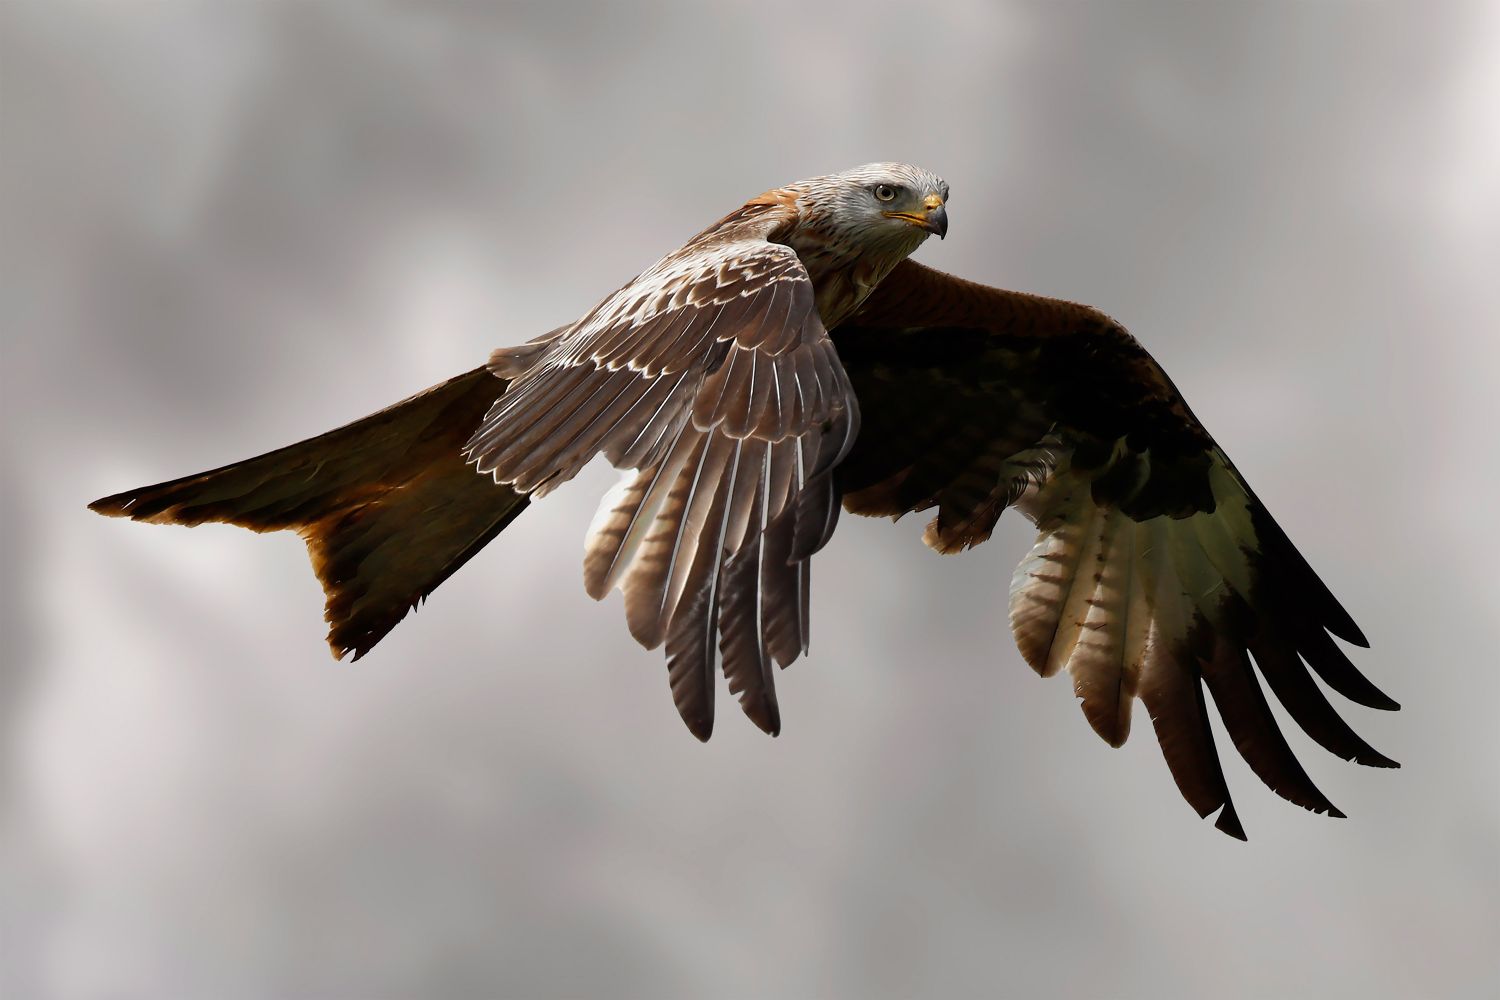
x=1335 y=812
x=1341 y=623
x=765 y=713
x=702 y=727
x=1329 y=662
x=1351 y=634
x=1229 y=822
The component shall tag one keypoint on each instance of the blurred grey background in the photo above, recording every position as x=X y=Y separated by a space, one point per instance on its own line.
x=229 y=226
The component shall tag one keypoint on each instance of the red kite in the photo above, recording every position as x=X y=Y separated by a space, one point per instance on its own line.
x=785 y=362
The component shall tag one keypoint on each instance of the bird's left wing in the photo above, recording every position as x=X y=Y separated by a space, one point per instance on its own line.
x=712 y=377
x=1156 y=572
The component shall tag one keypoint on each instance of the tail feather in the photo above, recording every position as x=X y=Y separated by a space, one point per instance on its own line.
x=387 y=505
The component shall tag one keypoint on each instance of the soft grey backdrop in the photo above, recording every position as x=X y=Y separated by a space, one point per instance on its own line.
x=227 y=227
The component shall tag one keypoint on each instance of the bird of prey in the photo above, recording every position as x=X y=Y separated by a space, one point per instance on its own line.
x=788 y=361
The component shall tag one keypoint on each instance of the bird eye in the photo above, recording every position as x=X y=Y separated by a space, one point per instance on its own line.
x=884 y=192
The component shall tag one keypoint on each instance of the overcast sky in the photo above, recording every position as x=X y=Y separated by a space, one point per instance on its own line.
x=227 y=227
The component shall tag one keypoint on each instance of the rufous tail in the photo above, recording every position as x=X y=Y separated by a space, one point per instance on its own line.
x=387 y=505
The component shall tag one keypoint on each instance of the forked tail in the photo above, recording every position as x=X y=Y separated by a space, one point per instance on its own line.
x=387 y=505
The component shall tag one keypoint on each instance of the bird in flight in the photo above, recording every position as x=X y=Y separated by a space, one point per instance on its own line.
x=790 y=361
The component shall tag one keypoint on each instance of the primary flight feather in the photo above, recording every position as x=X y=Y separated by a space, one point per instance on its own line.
x=789 y=361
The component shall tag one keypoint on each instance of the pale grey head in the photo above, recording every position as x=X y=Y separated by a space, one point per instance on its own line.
x=882 y=203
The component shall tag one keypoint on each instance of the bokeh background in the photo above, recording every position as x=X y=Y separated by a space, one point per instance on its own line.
x=229 y=226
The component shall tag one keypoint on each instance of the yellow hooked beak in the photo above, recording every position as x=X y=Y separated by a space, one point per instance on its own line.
x=933 y=217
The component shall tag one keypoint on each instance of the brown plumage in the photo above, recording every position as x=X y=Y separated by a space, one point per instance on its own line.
x=786 y=362
x=387 y=505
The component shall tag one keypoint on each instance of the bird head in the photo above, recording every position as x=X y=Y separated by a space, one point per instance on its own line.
x=881 y=203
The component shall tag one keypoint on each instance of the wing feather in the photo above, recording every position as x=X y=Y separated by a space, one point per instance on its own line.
x=783 y=588
x=1252 y=727
x=659 y=571
x=742 y=631
x=690 y=649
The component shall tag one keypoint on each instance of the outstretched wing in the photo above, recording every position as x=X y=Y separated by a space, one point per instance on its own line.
x=1156 y=571
x=712 y=377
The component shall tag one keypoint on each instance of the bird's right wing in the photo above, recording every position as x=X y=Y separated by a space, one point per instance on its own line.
x=712 y=377
x=1156 y=571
